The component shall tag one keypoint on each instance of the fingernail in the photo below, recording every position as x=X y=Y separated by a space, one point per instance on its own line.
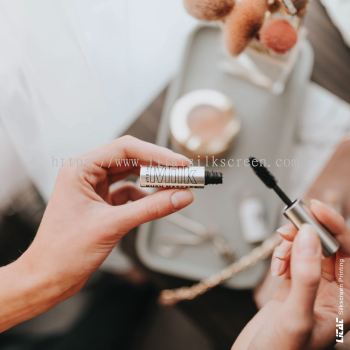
x=283 y=250
x=285 y=230
x=276 y=267
x=308 y=242
x=316 y=202
x=180 y=199
x=179 y=155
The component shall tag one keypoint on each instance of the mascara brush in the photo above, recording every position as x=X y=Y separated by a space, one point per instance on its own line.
x=296 y=211
x=269 y=180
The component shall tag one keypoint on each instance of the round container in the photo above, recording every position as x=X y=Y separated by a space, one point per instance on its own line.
x=203 y=123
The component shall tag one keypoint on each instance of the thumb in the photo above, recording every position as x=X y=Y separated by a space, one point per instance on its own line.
x=305 y=274
x=151 y=207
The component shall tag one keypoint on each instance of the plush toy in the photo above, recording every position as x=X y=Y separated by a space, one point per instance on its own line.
x=244 y=20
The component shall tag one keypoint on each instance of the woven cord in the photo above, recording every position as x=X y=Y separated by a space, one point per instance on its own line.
x=262 y=252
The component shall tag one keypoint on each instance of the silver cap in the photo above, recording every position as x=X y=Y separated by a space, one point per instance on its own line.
x=299 y=214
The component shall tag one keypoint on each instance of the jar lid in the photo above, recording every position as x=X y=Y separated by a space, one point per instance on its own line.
x=204 y=122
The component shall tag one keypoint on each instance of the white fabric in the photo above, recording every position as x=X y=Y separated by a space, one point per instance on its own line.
x=75 y=73
x=324 y=122
x=339 y=12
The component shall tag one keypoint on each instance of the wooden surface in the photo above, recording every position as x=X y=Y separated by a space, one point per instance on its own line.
x=332 y=56
x=222 y=313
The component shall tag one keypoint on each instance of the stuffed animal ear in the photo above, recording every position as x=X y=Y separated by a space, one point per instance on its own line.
x=209 y=10
x=243 y=24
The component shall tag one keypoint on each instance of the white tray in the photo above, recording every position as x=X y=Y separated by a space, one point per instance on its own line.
x=268 y=127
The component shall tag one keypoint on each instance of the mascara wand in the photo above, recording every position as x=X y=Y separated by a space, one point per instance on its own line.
x=296 y=211
x=269 y=180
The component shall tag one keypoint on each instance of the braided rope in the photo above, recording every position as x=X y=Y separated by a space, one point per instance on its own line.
x=173 y=296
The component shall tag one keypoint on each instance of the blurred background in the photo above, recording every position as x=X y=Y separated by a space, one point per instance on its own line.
x=114 y=57
x=77 y=73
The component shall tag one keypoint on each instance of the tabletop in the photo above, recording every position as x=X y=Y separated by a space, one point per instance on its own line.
x=222 y=313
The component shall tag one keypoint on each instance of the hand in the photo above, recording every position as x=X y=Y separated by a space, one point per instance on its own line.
x=302 y=313
x=83 y=221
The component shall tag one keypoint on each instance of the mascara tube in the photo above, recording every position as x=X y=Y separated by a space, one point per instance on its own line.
x=298 y=213
x=178 y=177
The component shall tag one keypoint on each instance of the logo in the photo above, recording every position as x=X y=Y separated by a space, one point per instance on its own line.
x=339 y=333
